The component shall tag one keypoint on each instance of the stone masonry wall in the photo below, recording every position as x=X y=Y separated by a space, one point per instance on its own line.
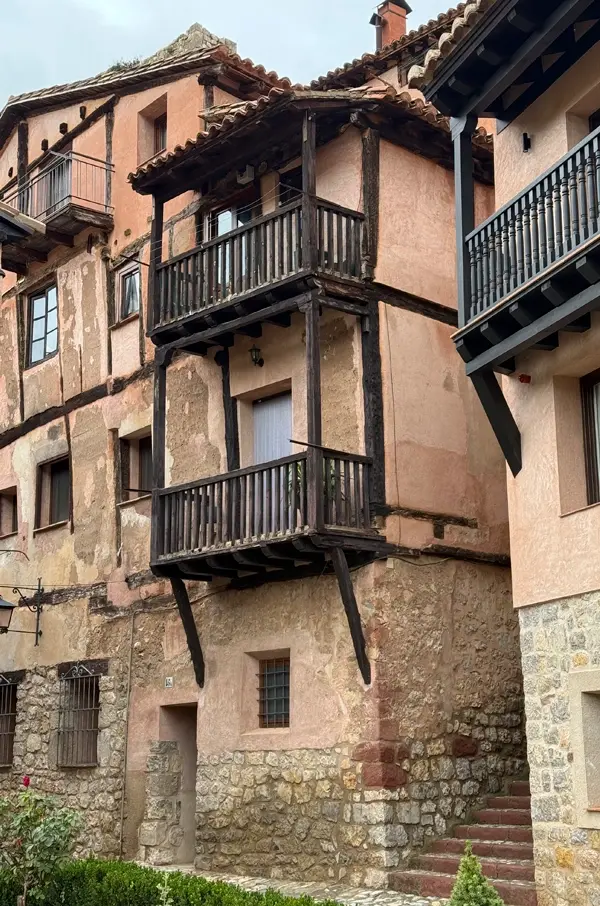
x=94 y=791
x=345 y=813
x=557 y=640
x=161 y=833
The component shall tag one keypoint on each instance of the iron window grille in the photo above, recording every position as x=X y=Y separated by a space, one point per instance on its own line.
x=8 y=719
x=78 y=712
x=43 y=325
x=274 y=692
x=590 y=398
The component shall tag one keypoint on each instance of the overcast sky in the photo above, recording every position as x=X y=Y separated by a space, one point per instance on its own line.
x=46 y=43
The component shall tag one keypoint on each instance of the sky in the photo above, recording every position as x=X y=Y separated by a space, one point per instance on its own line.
x=47 y=43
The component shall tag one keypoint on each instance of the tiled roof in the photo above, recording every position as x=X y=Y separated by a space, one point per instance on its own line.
x=370 y=63
x=224 y=120
x=419 y=76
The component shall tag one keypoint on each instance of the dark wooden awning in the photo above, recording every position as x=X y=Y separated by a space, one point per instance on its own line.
x=511 y=56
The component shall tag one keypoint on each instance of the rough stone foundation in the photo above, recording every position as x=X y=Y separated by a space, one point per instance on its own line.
x=558 y=640
x=161 y=834
x=94 y=791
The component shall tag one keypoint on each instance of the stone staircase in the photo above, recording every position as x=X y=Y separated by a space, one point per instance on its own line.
x=502 y=839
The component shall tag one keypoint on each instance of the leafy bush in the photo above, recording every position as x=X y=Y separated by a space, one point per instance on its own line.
x=37 y=836
x=97 y=883
x=471 y=887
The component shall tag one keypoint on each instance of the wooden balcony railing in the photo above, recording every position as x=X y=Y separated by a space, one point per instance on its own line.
x=70 y=179
x=263 y=502
x=261 y=254
x=552 y=217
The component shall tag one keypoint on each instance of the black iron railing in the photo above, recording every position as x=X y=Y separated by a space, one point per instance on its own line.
x=69 y=179
x=257 y=255
x=552 y=217
x=266 y=501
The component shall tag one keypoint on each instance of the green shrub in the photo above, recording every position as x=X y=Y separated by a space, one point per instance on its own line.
x=37 y=836
x=97 y=883
x=471 y=887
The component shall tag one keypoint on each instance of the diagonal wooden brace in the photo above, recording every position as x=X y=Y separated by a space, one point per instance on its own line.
x=191 y=632
x=350 y=606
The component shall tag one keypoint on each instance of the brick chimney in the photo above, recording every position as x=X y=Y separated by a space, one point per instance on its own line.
x=390 y=21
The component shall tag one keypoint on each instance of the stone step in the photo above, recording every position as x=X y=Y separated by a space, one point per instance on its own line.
x=502 y=869
x=498 y=849
x=433 y=884
x=503 y=816
x=519 y=788
x=509 y=802
x=505 y=832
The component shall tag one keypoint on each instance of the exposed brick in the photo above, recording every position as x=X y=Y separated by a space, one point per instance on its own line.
x=383 y=776
x=463 y=746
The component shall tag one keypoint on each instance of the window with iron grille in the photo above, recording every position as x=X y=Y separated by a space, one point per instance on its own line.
x=590 y=398
x=274 y=692
x=78 y=711
x=8 y=718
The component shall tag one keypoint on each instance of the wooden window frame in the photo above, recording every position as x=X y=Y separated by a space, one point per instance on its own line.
x=9 y=497
x=31 y=300
x=591 y=441
x=122 y=275
x=135 y=457
x=160 y=126
x=279 y=718
x=50 y=465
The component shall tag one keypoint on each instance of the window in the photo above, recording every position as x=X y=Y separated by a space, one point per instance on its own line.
x=594 y=120
x=590 y=397
x=136 y=466
x=78 y=711
x=43 y=325
x=274 y=692
x=160 y=133
x=129 y=290
x=290 y=186
x=8 y=719
x=9 y=514
x=53 y=493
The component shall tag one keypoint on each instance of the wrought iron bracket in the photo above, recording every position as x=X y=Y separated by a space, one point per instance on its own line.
x=35 y=608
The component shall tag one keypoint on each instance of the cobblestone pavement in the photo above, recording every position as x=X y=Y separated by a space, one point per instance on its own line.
x=348 y=896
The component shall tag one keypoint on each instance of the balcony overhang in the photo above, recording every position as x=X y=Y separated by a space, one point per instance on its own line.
x=512 y=55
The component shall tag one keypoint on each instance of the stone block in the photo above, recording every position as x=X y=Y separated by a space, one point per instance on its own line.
x=162 y=785
x=390 y=835
x=387 y=776
x=152 y=833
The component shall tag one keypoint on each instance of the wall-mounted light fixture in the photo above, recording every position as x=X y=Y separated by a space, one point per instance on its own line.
x=255 y=356
x=6 y=612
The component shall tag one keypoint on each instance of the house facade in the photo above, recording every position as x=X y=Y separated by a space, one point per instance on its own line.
x=241 y=457
x=529 y=288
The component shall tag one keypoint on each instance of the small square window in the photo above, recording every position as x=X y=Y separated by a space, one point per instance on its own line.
x=129 y=290
x=53 y=492
x=136 y=466
x=160 y=133
x=43 y=325
x=274 y=692
x=9 y=513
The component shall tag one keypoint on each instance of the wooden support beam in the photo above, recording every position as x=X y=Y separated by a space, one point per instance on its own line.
x=491 y=333
x=500 y=417
x=340 y=564
x=547 y=344
x=156 y=234
x=554 y=293
x=521 y=314
x=232 y=439
x=370 y=183
x=588 y=269
x=189 y=625
x=462 y=135
x=580 y=325
x=373 y=403
x=309 y=190
x=314 y=465
x=159 y=417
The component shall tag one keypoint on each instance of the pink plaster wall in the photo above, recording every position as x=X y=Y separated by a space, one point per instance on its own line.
x=339 y=170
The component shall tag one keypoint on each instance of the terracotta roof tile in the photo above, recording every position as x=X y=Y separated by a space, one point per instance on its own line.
x=349 y=72
x=229 y=118
x=419 y=76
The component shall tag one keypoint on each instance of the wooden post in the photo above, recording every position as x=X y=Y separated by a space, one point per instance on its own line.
x=464 y=187
x=370 y=168
x=313 y=411
x=156 y=233
x=232 y=440
x=159 y=419
x=373 y=403
x=309 y=190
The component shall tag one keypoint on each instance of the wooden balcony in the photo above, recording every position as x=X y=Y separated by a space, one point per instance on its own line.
x=535 y=265
x=260 y=263
x=269 y=521
x=69 y=195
